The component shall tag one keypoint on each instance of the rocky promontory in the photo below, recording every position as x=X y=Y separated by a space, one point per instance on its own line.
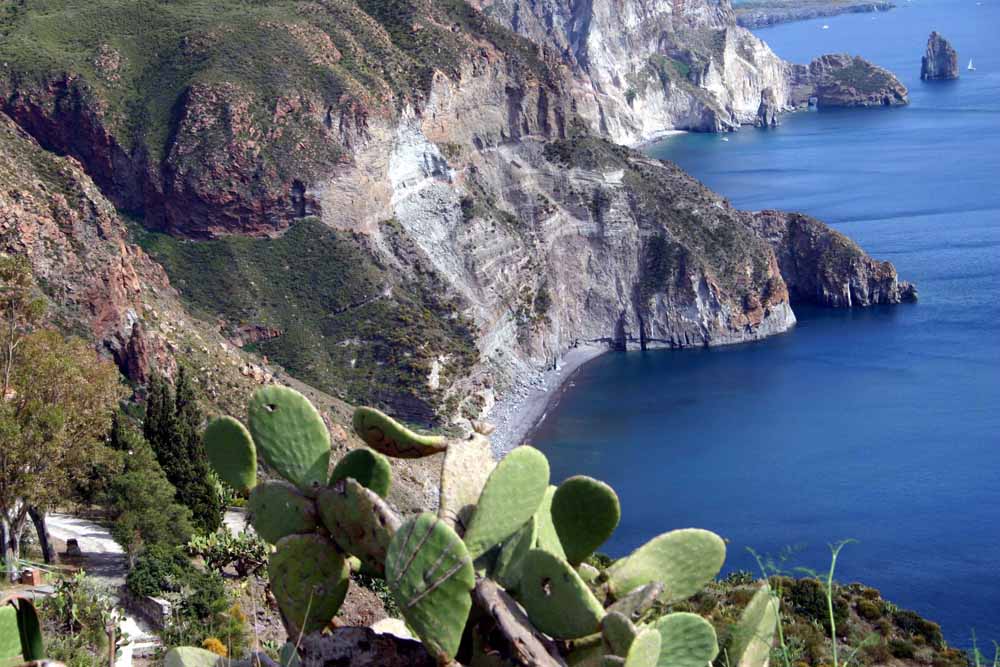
x=940 y=61
x=763 y=13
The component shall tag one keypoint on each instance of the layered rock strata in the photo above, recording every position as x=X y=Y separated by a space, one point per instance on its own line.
x=940 y=60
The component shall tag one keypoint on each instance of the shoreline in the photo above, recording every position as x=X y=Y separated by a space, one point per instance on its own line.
x=518 y=414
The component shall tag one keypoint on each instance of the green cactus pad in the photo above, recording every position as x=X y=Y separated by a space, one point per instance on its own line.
x=190 y=656
x=585 y=512
x=588 y=572
x=638 y=602
x=231 y=453
x=547 y=537
x=368 y=467
x=359 y=521
x=291 y=436
x=309 y=579
x=387 y=436
x=558 y=602
x=618 y=633
x=510 y=498
x=430 y=576
x=753 y=635
x=645 y=650
x=467 y=466
x=507 y=569
x=278 y=509
x=684 y=560
x=688 y=640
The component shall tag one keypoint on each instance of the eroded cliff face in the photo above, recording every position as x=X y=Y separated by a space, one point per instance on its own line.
x=453 y=221
x=645 y=67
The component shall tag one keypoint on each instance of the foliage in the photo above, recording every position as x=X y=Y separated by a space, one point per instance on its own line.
x=78 y=619
x=335 y=297
x=141 y=500
x=159 y=569
x=58 y=399
x=246 y=553
x=173 y=428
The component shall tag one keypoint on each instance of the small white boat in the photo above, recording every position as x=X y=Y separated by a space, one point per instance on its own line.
x=972 y=68
x=826 y=27
x=725 y=138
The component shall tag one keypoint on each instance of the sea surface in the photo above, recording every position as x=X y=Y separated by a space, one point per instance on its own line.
x=879 y=425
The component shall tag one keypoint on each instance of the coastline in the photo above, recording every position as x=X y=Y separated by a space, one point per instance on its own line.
x=517 y=414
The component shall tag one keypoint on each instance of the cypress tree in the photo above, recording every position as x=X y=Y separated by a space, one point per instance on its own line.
x=173 y=428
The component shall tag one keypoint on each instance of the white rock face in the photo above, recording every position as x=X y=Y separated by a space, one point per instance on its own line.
x=646 y=67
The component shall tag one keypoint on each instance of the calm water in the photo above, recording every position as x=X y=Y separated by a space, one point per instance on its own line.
x=881 y=425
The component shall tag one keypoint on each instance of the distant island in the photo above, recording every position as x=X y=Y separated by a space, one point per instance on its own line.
x=762 y=13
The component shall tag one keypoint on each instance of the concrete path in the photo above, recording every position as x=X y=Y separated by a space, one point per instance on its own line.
x=104 y=560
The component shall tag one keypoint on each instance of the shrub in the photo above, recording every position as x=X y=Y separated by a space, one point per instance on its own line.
x=808 y=597
x=869 y=610
x=246 y=552
x=75 y=620
x=902 y=649
x=910 y=623
x=877 y=653
x=159 y=569
x=739 y=578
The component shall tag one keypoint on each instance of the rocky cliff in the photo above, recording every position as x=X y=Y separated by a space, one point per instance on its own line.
x=940 y=60
x=763 y=13
x=404 y=203
x=641 y=69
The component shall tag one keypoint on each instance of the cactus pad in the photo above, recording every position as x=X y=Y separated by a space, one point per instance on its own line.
x=368 y=467
x=360 y=522
x=585 y=513
x=309 y=579
x=387 y=436
x=617 y=634
x=753 y=635
x=684 y=560
x=507 y=569
x=645 y=650
x=467 y=466
x=231 y=452
x=638 y=602
x=278 y=509
x=547 y=537
x=558 y=602
x=291 y=436
x=510 y=498
x=688 y=640
x=430 y=575
x=191 y=656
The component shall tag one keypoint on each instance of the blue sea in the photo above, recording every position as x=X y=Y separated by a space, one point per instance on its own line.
x=879 y=425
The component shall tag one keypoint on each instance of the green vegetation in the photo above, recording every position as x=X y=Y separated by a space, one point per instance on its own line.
x=430 y=562
x=346 y=327
x=173 y=428
x=80 y=621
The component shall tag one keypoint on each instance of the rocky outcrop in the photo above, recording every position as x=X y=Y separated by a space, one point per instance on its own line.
x=841 y=80
x=644 y=68
x=940 y=61
x=763 y=13
x=767 y=112
x=822 y=266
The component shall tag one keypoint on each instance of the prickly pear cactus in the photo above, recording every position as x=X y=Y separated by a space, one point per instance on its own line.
x=231 y=453
x=430 y=575
x=387 y=436
x=684 y=560
x=617 y=634
x=638 y=602
x=510 y=498
x=645 y=651
x=585 y=513
x=359 y=521
x=369 y=468
x=688 y=640
x=309 y=578
x=510 y=560
x=191 y=656
x=462 y=480
x=291 y=436
x=557 y=600
x=751 y=641
x=278 y=509
x=547 y=537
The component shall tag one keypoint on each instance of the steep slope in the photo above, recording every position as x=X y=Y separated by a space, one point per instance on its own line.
x=431 y=214
x=645 y=68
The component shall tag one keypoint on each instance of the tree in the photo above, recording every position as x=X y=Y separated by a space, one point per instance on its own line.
x=142 y=501
x=173 y=428
x=58 y=407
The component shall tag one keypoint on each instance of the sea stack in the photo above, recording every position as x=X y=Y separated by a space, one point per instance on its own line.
x=940 y=61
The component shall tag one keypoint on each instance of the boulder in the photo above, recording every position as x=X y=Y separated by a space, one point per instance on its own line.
x=940 y=61
x=767 y=112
